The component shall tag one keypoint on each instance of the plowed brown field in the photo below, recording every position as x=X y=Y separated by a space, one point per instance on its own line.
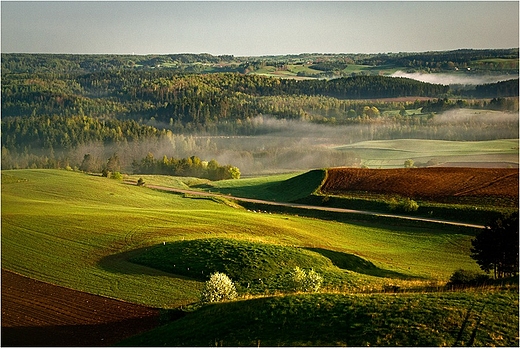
x=436 y=184
x=35 y=313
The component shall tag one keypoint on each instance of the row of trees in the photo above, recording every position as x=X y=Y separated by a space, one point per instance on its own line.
x=192 y=166
x=65 y=133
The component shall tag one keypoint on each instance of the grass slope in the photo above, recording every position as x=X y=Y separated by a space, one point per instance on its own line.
x=79 y=231
x=430 y=319
x=281 y=188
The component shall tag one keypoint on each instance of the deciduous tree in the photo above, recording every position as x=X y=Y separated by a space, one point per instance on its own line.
x=496 y=247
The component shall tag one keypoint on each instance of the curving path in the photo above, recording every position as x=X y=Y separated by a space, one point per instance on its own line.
x=312 y=207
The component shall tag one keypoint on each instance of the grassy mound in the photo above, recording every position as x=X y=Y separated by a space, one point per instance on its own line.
x=431 y=319
x=251 y=265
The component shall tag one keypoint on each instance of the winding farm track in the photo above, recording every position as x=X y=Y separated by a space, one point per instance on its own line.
x=35 y=313
x=305 y=206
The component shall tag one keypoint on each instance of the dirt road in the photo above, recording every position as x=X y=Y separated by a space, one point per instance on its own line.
x=311 y=207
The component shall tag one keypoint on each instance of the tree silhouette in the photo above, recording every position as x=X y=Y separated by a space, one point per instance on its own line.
x=496 y=247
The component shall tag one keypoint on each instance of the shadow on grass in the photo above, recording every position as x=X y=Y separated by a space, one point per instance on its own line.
x=357 y=264
x=120 y=263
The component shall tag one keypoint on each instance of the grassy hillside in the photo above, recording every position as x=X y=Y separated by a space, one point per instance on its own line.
x=280 y=188
x=429 y=319
x=79 y=231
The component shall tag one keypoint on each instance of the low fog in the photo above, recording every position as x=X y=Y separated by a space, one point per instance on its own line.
x=288 y=145
x=461 y=78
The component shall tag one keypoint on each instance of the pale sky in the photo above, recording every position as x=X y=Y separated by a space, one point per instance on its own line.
x=247 y=28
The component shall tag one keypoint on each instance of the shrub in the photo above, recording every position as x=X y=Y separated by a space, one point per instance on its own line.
x=314 y=281
x=463 y=277
x=117 y=176
x=140 y=182
x=305 y=281
x=409 y=163
x=407 y=205
x=219 y=287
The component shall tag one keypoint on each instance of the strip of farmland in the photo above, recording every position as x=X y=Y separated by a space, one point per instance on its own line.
x=436 y=184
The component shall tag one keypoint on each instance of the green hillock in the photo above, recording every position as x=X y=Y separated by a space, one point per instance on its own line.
x=253 y=266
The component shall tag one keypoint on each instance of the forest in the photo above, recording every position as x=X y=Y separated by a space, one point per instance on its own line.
x=55 y=105
x=501 y=60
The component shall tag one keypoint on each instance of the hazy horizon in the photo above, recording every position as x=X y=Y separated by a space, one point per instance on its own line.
x=256 y=28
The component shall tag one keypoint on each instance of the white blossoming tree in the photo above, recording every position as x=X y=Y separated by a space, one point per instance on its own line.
x=219 y=287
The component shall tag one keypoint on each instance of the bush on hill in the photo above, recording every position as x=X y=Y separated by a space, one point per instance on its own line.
x=218 y=288
x=308 y=281
x=464 y=278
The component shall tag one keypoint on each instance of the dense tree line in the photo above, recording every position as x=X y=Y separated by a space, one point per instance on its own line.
x=186 y=102
x=77 y=63
x=60 y=132
x=447 y=60
x=329 y=66
x=508 y=88
x=192 y=166
x=445 y=104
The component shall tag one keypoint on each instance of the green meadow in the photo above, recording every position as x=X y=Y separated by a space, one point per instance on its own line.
x=80 y=231
x=155 y=248
x=393 y=153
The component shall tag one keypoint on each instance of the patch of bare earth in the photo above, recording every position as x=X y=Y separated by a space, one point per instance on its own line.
x=35 y=313
x=436 y=183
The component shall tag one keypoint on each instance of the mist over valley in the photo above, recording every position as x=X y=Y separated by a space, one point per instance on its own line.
x=251 y=112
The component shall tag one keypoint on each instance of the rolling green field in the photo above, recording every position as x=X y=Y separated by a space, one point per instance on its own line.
x=393 y=153
x=154 y=248
x=80 y=231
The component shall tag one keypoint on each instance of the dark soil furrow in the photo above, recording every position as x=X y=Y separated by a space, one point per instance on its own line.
x=35 y=313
